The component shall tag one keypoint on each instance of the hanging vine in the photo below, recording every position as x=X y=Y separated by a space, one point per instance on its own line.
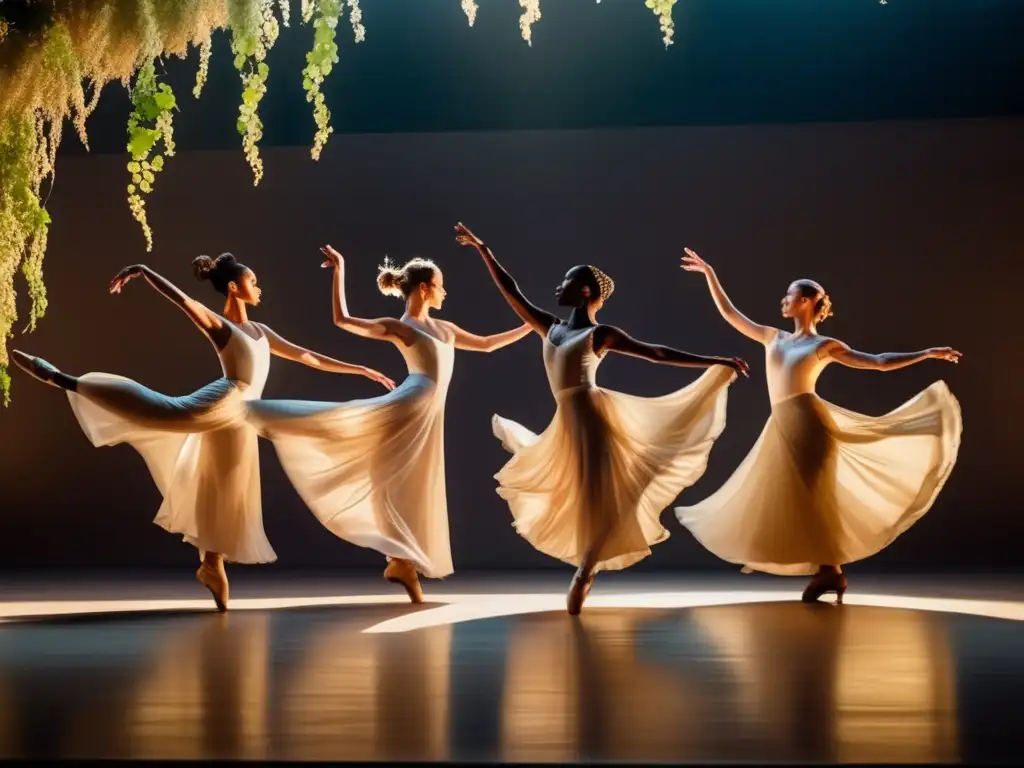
x=254 y=30
x=324 y=15
x=470 y=7
x=663 y=10
x=150 y=125
x=531 y=15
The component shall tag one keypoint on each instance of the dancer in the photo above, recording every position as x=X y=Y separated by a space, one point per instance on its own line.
x=372 y=471
x=824 y=486
x=201 y=452
x=590 y=489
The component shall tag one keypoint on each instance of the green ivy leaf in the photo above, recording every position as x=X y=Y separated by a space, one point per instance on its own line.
x=164 y=102
x=141 y=141
x=263 y=69
x=146 y=187
x=134 y=167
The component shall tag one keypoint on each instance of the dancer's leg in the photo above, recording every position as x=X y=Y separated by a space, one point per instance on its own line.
x=211 y=574
x=403 y=572
x=43 y=371
x=829 y=578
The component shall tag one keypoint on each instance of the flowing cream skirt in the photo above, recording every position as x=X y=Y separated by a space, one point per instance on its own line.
x=372 y=471
x=607 y=466
x=827 y=486
x=202 y=454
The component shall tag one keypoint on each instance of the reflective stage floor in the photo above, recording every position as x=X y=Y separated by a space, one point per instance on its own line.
x=676 y=669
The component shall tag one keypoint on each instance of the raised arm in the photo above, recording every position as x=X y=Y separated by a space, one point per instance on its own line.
x=887 y=361
x=762 y=333
x=382 y=328
x=473 y=343
x=281 y=347
x=610 y=339
x=538 y=319
x=208 y=322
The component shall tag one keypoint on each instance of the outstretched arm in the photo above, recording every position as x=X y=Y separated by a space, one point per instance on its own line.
x=538 y=319
x=281 y=347
x=610 y=339
x=473 y=343
x=762 y=333
x=383 y=328
x=208 y=322
x=887 y=361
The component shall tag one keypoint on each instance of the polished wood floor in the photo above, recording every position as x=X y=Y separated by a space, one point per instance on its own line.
x=500 y=674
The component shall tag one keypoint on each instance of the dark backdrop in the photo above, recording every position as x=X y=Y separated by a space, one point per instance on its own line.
x=914 y=227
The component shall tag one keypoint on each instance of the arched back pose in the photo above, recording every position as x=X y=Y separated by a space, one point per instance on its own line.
x=372 y=471
x=824 y=486
x=200 y=450
x=591 y=488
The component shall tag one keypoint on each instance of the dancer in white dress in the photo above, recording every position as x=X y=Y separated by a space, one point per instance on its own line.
x=591 y=488
x=372 y=471
x=199 y=448
x=824 y=486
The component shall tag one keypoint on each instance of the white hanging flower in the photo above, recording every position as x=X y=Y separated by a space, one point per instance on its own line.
x=469 y=7
x=355 y=16
x=531 y=15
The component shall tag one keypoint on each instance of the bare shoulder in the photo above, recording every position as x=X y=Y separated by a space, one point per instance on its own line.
x=827 y=346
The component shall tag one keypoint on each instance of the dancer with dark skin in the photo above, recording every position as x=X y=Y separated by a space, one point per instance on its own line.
x=591 y=488
x=200 y=449
x=824 y=486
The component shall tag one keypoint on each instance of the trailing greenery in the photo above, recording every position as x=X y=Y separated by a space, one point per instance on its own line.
x=57 y=57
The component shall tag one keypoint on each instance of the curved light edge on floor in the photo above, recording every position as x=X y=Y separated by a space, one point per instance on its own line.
x=456 y=608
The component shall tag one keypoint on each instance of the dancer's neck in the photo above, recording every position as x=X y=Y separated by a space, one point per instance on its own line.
x=417 y=309
x=234 y=310
x=803 y=327
x=582 y=317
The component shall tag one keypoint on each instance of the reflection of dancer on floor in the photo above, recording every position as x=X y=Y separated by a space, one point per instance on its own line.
x=824 y=486
x=372 y=471
x=591 y=488
x=201 y=453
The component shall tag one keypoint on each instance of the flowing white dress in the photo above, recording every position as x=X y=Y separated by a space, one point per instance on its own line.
x=609 y=463
x=823 y=485
x=372 y=471
x=201 y=452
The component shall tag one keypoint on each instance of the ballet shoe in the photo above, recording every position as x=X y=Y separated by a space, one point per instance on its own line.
x=217 y=582
x=824 y=583
x=578 y=591
x=35 y=367
x=403 y=572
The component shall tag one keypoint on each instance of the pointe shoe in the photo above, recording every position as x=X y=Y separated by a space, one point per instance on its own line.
x=35 y=367
x=215 y=580
x=578 y=591
x=824 y=583
x=403 y=572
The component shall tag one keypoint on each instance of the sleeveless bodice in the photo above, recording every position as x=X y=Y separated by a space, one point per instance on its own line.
x=792 y=365
x=572 y=364
x=247 y=361
x=429 y=356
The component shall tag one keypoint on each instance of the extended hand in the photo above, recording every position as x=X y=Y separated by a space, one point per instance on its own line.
x=694 y=263
x=124 y=276
x=463 y=236
x=380 y=378
x=948 y=354
x=332 y=258
x=738 y=364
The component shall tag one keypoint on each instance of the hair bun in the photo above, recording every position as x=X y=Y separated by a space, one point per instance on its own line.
x=202 y=266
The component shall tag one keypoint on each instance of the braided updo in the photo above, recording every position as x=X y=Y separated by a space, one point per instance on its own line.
x=822 y=303
x=605 y=285
x=221 y=271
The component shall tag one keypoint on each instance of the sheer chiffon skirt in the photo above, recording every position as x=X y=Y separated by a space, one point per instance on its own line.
x=827 y=486
x=606 y=467
x=200 y=451
x=372 y=471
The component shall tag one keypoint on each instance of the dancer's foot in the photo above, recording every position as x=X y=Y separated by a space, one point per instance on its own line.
x=215 y=579
x=578 y=590
x=35 y=367
x=404 y=572
x=823 y=583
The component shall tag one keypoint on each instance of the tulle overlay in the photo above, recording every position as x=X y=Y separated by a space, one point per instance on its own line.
x=372 y=471
x=824 y=485
x=607 y=466
x=202 y=454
